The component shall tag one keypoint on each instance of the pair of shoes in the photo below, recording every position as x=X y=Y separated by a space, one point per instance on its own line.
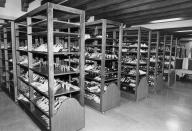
x=93 y=97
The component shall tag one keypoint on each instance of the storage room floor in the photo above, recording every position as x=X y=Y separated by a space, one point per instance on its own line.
x=170 y=110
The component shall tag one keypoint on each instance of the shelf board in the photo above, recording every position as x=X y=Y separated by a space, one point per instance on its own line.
x=56 y=33
x=123 y=73
x=91 y=39
x=136 y=35
x=24 y=51
x=153 y=52
x=106 y=80
x=55 y=53
x=27 y=97
x=36 y=89
x=115 y=46
x=29 y=84
x=63 y=91
x=97 y=59
x=24 y=81
x=134 y=64
x=96 y=93
x=44 y=71
x=132 y=75
x=134 y=52
x=56 y=24
x=128 y=85
x=39 y=108
x=23 y=66
x=134 y=47
x=106 y=73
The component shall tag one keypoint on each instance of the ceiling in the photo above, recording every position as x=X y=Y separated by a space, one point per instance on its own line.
x=131 y=12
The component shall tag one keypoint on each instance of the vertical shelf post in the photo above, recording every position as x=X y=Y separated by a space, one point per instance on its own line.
x=30 y=59
x=1 y=60
x=120 y=54
x=138 y=59
x=50 y=61
x=14 y=59
x=82 y=57
x=149 y=53
x=6 y=60
x=104 y=27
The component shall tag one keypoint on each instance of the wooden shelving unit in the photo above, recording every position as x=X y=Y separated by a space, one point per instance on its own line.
x=167 y=54
x=102 y=91
x=135 y=62
x=7 y=60
x=172 y=73
x=50 y=50
x=156 y=82
x=169 y=59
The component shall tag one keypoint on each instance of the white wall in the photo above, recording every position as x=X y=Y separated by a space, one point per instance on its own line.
x=13 y=8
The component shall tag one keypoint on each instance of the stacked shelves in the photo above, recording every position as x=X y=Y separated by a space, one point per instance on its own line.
x=169 y=59
x=153 y=61
x=2 y=60
x=156 y=58
x=159 y=79
x=135 y=62
x=7 y=51
x=50 y=66
x=172 y=73
x=167 y=54
x=102 y=64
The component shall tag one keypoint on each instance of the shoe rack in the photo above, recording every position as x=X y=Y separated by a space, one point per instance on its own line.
x=155 y=67
x=167 y=54
x=160 y=83
x=102 y=64
x=169 y=59
x=135 y=62
x=50 y=50
x=7 y=52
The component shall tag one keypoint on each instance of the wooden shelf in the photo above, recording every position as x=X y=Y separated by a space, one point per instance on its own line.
x=56 y=23
x=104 y=43
x=97 y=59
x=136 y=36
x=171 y=43
x=55 y=53
x=44 y=71
x=55 y=33
x=108 y=39
x=7 y=52
x=70 y=115
x=155 y=65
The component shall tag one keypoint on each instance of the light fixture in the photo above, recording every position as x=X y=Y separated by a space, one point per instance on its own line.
x=166 y=20
x=184 y=31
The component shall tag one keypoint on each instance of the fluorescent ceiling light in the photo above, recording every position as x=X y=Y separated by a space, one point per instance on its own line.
x=184 y=31
x=166 y=20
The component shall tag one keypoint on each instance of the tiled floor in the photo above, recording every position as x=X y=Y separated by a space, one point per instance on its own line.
x=171 y=110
